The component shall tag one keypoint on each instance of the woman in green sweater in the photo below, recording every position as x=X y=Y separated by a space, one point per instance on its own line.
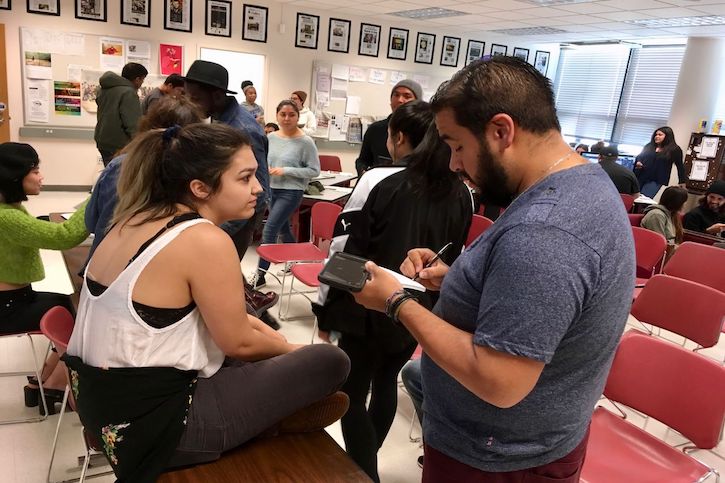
x=21 y=238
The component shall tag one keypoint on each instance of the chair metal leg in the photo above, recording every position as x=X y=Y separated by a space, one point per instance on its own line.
x=86 y=461
x=38 y=375
x=57 y=430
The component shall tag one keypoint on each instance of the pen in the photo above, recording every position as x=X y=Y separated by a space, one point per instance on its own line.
x=434 y=259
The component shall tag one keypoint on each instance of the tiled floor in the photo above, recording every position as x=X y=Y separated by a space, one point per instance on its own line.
x=25 y=448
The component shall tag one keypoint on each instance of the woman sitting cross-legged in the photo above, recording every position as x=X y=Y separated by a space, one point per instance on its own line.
x=161 y=307
x=21 y=238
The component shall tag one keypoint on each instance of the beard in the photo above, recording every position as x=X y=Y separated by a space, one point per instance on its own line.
x=491 y=180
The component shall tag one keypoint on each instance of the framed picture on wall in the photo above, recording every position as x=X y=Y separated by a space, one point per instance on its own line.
x=91 y=10
x=308 y=31
x=369 y=40
x=450 y=51
x=522 y=54
x=541 y=61
x=177 y=15
x=218 y=18
x=338 y=37
x=474 y=50
x=136 y=12
x=424 y=46
x=398 y=43
x=44 y=7
x=254 y=23
x=5 y=5
x=497 y=49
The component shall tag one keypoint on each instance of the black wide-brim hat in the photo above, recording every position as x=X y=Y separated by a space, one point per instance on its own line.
x=210 y=74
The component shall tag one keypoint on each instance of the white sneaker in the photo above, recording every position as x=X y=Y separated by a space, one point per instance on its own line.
x=285 y=271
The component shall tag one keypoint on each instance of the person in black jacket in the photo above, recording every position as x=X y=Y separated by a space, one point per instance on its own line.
x=709 y=215
x=654 y=164
x=417 y=201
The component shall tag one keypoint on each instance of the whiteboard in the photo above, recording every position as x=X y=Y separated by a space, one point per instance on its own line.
x=241 y=66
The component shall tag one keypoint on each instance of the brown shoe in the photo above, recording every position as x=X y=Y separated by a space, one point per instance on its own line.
x=316 y=416
x=260 y=301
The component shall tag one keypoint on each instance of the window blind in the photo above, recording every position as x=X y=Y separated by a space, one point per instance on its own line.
x=588 y=87
x=649 y=88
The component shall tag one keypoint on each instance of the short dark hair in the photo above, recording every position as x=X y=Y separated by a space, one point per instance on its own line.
x=501 y=84
x=132 y=70
x=289 y=103
x=175 y=80
x=273 y=125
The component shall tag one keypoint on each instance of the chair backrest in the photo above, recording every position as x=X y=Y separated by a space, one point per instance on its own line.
x=682 y=389
x=628 y=201
x=479 y=224
x=649 y=247
x=322 y=220
x=330 y=163
x=687 y=308
x=635 y=219
x=57 y=325
x=700 y=263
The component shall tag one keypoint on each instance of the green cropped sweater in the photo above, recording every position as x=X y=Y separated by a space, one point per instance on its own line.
x=22 y=236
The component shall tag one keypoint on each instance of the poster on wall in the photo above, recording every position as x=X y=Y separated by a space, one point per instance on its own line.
x=67 y=97
x=398 y=43
x=5 y=5
x=171 y=58
x=44 y=7
x=424 y=46
x=139 y=51
x=541 y=61
x=449 y=53
x=369 y=40
x=91 y=10
x=177 y=15
x=136 y=12
x=89 y=87
x=474 y=51
x=308 y=31
x=254 y=23
x=218 y=18
x=37 y=107
x=338 y=39
x=112 y=54
x=38 y=65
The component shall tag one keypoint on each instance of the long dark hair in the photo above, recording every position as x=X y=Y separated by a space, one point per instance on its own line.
x=668 y=144
x=674 y=198
x=428 y=163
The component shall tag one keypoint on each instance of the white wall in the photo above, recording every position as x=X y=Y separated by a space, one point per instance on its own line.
x=288 y=68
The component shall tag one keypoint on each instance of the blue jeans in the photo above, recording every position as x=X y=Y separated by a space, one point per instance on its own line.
x=284 y=203
x=650 y=188
x=413 y=382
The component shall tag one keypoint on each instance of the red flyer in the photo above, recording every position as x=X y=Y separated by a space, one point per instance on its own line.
x=171 y=57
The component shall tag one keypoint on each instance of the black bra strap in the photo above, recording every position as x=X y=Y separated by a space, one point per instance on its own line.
x=192 y=215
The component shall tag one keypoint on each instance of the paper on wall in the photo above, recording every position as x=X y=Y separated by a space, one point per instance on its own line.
x=353 y=105
x=709 y=147
x=396 y=76
x=323 y=100
x=74 y=72
x=323 y=82
x=336 y=133
x=340 y=71
x=38 y=65
x=323 y=125
x=377 y=76
x=112 y=54
x=699 y=170
x=37 y=104
x=345 y=125
x=53 y=41
x=139 y=51
x=358 y=74
x=338 y=89
x=423 y=80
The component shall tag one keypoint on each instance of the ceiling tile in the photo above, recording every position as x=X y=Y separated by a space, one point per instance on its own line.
x=392 y=6
x=547 y=22
x=504 y=24
x=509 y=15
x=543 y=12
x=711 y=9
x=586 y=8
x=579 y=28
x=674 y=12
x=623 y=16
x=459 y=20
x=692 y=3
x=617 y=26
x=634 y=4
x=708 y=30
x=504 y=4
x=581 y=19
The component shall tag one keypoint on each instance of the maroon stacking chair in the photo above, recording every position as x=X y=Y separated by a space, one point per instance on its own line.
x=650 y=248
x=681 y=389
x=628 y=201
x=700 y=263
x=479 y=224
x=635 y=219
x=330 y=163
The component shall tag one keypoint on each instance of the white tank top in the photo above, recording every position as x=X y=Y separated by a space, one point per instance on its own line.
x=109 y=333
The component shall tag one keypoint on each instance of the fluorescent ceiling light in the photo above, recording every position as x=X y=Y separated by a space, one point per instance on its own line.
x=531 y=31
x=549 y=3
x=679 y=21
x=433 y=12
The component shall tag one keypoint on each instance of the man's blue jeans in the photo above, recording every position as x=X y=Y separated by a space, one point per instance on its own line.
x=284 y=203
x=413 y=383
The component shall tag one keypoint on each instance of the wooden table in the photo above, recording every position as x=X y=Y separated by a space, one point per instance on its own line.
x=308 y=457
x=74 y=258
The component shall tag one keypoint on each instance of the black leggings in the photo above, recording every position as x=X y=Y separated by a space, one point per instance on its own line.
x=22 y=309
x=365 y=429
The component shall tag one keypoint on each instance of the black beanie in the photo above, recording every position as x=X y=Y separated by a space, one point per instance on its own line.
x=16 y=161
x=718 y=188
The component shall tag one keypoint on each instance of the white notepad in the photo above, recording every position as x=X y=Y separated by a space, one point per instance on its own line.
x=407 y=283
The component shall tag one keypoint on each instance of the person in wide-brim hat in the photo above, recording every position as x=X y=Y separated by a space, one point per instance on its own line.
x=209 y=74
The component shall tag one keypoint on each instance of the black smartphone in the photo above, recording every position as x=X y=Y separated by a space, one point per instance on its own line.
x=344 y=271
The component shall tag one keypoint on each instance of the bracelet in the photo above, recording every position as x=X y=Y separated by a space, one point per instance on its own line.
x=389 y=301
x=398 y=304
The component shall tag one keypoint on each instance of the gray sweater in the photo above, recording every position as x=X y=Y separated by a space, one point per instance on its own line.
x=298 y=156
x=657 y=218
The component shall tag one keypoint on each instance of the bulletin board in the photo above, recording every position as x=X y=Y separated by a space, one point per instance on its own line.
x=347 y=96
x=61 y=69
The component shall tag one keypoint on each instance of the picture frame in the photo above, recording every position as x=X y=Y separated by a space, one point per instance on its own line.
x=498 y=49
x=95 y=10
x=541 y=61
x=521 y=53
x=398 y=43
x=338 y=35
x=308 y=31
x=474 y=50
x=369 y=40
x=44 y=7
x=6 y=5
x=178 y=15
x=254 y=23
x=218 y=18
x=450 y=51
x=136 y=12
x=424 y=47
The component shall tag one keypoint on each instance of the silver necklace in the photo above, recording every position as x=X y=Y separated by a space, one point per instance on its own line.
x=545 y=173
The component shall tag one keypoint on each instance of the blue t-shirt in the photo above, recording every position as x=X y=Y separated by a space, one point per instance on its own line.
x=552 y=281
